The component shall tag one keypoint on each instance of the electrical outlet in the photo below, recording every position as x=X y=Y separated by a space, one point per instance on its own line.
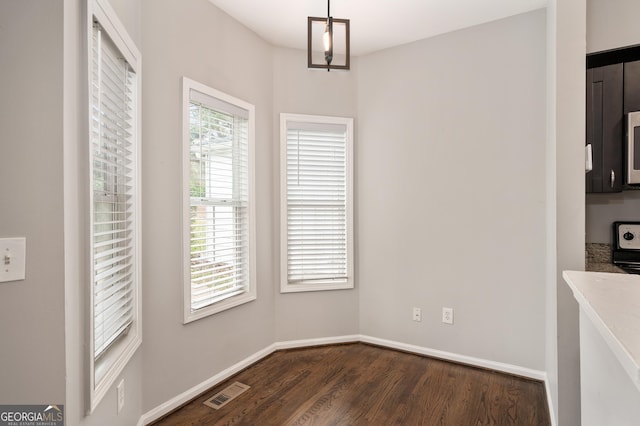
x=447 y=315
x=120 y=392
x=12 y=259
x=417 y=314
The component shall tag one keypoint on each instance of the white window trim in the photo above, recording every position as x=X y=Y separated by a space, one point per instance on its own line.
x=112 y=363
x=251 y=293
x=285 y=286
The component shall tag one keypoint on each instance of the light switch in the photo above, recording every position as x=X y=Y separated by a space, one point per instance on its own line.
x=12 y=259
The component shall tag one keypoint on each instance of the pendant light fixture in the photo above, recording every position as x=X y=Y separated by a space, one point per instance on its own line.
x=328 y=42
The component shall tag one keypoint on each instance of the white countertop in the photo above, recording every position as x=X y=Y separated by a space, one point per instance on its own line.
x=612 y=303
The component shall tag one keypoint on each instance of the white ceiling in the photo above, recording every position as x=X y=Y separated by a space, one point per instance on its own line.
x=375 y=24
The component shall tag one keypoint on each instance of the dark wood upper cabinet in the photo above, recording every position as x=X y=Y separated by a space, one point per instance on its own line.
x=631 y=86
x=605 y=124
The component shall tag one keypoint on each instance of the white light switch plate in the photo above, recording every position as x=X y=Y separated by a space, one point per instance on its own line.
x=12 y=259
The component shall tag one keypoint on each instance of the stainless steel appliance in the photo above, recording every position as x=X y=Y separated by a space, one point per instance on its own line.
x=626 y=249
x=632 y=160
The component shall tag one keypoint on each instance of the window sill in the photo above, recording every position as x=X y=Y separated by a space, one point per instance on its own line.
x=107 y=369
x=232 y=302
x=316 y=286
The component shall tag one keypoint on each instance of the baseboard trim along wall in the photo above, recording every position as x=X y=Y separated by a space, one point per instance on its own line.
x=293 y=344
x=186 y=396
x=462 y=359
x=165 y=408
x=189 y=394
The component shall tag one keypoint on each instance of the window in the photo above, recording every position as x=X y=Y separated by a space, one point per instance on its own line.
x=217 y=206
x=114 y=211
x=316 y=203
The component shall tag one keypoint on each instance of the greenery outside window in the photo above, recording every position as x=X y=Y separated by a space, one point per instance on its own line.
x=217 y=206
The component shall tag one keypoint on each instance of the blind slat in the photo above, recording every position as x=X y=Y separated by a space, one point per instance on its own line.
x=316 y=177
x=219 y=187
x=112 y=158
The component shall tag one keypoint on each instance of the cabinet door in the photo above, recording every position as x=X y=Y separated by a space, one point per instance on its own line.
x=605 y=127
x=631 y=86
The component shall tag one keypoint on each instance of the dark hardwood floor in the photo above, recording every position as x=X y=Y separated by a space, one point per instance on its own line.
x=359 y=384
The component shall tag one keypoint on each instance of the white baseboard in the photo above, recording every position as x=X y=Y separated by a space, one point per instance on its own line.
x=186 y=396
x=477 y=362
x=292 y=344
x=189 y=394
x=463 y=359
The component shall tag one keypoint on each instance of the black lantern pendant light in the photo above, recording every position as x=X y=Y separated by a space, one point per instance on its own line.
x=332 y=36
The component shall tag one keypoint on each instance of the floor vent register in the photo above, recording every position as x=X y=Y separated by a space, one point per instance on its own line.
x=226 y=395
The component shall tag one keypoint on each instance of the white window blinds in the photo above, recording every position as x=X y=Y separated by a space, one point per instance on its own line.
x=113 y=160
x=317 y=204
x=219 y=200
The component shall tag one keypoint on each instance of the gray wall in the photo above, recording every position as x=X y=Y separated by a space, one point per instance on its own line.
x=397 y=167
x=299 y=90
x=565 y=202
x=194 y=39
x=551 y=318
x=515 y=338
x=604 y=209
x=451 y=178
x=611 y=24
x=31 y=176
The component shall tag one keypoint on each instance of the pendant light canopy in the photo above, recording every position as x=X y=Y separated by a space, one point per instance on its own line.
x=328 y=42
